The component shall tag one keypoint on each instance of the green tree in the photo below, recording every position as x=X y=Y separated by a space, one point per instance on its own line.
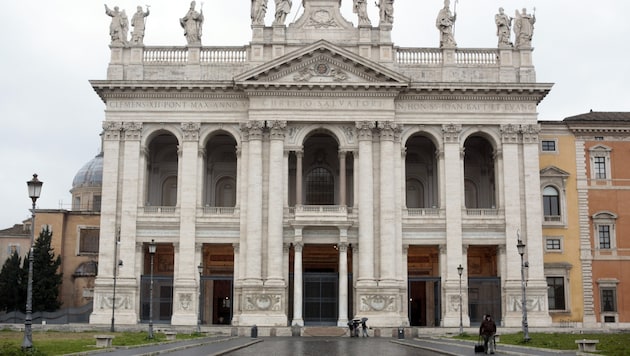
x=46 y=276
x=12 y=295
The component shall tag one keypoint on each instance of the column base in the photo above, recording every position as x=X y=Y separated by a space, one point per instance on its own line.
x=125 y=302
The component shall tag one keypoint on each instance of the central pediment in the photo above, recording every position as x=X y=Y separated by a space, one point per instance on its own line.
x=322 y=64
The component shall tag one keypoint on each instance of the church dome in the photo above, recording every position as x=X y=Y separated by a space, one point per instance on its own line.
x=90 y=175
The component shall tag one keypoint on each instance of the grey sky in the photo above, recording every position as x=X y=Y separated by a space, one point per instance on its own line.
x=51 y=118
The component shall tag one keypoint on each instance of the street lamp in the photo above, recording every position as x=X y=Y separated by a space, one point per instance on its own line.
x=34 y=190
x=200 y=269
x=152 y=248
x=460 y=270
x=521 y=251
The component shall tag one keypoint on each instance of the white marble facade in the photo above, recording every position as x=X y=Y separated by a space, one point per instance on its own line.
x=323 y=128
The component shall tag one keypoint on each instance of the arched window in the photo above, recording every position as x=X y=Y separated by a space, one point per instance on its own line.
x=551 y=204
x=320 y=187
x=415 y=194
x=226 y=192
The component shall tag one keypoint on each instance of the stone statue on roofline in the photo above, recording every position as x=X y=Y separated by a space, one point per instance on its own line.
x=283 y=8
x=524 y=28
x=360 y=8
x=504 y=25
x=192 y=24
x=445 y=22
x=138 y=23
x=386 y=12
x=259 y=10
x=119 y=26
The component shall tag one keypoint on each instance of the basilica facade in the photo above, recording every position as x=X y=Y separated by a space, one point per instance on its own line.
x=319 y=174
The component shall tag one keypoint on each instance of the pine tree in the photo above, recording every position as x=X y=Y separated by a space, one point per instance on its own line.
x=46 y=276
x=12 y=295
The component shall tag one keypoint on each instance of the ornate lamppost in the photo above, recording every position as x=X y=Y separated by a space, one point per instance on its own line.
x=200 y=269
x=34 y=190
x=521 y=251
x=460 y=270
x=152 y=248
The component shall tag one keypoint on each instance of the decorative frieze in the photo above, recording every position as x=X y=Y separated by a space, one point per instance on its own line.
x=535 y=303
x=123 y=301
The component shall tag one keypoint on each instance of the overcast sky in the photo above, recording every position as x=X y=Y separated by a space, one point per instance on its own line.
x=51 y=118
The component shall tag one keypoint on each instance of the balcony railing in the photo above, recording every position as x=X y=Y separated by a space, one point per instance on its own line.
x=160 y=210
x=416 y=212
x=476 y=56
x=553 y=218
x=206 y=55
x=220 y=210
x=483 y=212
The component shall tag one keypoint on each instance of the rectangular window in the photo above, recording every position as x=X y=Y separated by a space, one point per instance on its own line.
x=13 y=248
x=97 y=203
x=88 y=240
x=553 y=245
x=548 y=146
x=555 y=293
x=609 y=300
x=604 y=236
x=600 y=167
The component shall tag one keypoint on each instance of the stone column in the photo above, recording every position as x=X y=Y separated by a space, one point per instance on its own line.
x=298 y=177
x=405 y=278
x=366 y=205
x=355 y=185
x=236 y=300
x=343 y=284
x=388 y=241
x=253 y=272
x=275 y=205
x=185 y=276
x=454 y=192
x=297 y=283
x=103 y=285
x=538 y=315
x=342 y=178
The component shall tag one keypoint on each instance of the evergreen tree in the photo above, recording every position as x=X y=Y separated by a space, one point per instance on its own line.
x=46 y=276
x=12 y=295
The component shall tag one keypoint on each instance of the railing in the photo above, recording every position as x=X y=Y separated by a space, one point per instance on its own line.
x=165 y=55
x=477 y=56
x=418 y=55
x=482 y=212
x=219 y=210
x=423 y=212
x=206 y=55
x=553 y=218
x=321 y=209
x=166 y=210
x=223 y=55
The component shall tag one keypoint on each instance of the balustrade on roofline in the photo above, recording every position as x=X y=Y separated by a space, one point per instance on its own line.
x=435 y=56
x=206 y=54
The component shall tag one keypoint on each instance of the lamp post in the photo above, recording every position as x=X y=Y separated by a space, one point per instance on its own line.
x=460 y=270
x=521 y=251
x=200 y=269
x=152 y=248
x=117 y=263
x=34 y=190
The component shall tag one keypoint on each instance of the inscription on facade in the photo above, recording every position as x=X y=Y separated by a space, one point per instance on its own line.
x=323 y=104
x=194 y=105
x=451 y=107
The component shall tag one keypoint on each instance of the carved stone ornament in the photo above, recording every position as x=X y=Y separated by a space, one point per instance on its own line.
x=534 y=303
x=263 y=302
x=530 y=133
x=191 y=130
x=111 y=130
x=185 y=301
x=321 y=70
x=377 y=302
x=122 y=302
x=509 y=133
x=364 y=129
x=321 y=19
x=451 y=133
x=133 y=130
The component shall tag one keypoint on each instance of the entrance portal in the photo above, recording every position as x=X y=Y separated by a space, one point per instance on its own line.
x=320 y=284
x=424 y=286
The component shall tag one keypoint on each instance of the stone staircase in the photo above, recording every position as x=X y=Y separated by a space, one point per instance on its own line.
x=328 y=331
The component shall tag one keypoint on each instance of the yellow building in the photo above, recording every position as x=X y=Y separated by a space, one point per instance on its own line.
x=561 y=228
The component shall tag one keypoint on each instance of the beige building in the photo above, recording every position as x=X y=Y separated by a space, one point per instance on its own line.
x=317 y=174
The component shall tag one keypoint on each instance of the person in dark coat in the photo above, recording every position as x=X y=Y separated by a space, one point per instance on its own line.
x=487 y=330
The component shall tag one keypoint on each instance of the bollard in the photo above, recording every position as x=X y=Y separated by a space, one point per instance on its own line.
x=296 y=330
x=401 y=333
x=254 y=332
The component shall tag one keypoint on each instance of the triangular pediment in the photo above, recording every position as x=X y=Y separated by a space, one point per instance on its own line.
x=553 y=171
x=322 y=64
